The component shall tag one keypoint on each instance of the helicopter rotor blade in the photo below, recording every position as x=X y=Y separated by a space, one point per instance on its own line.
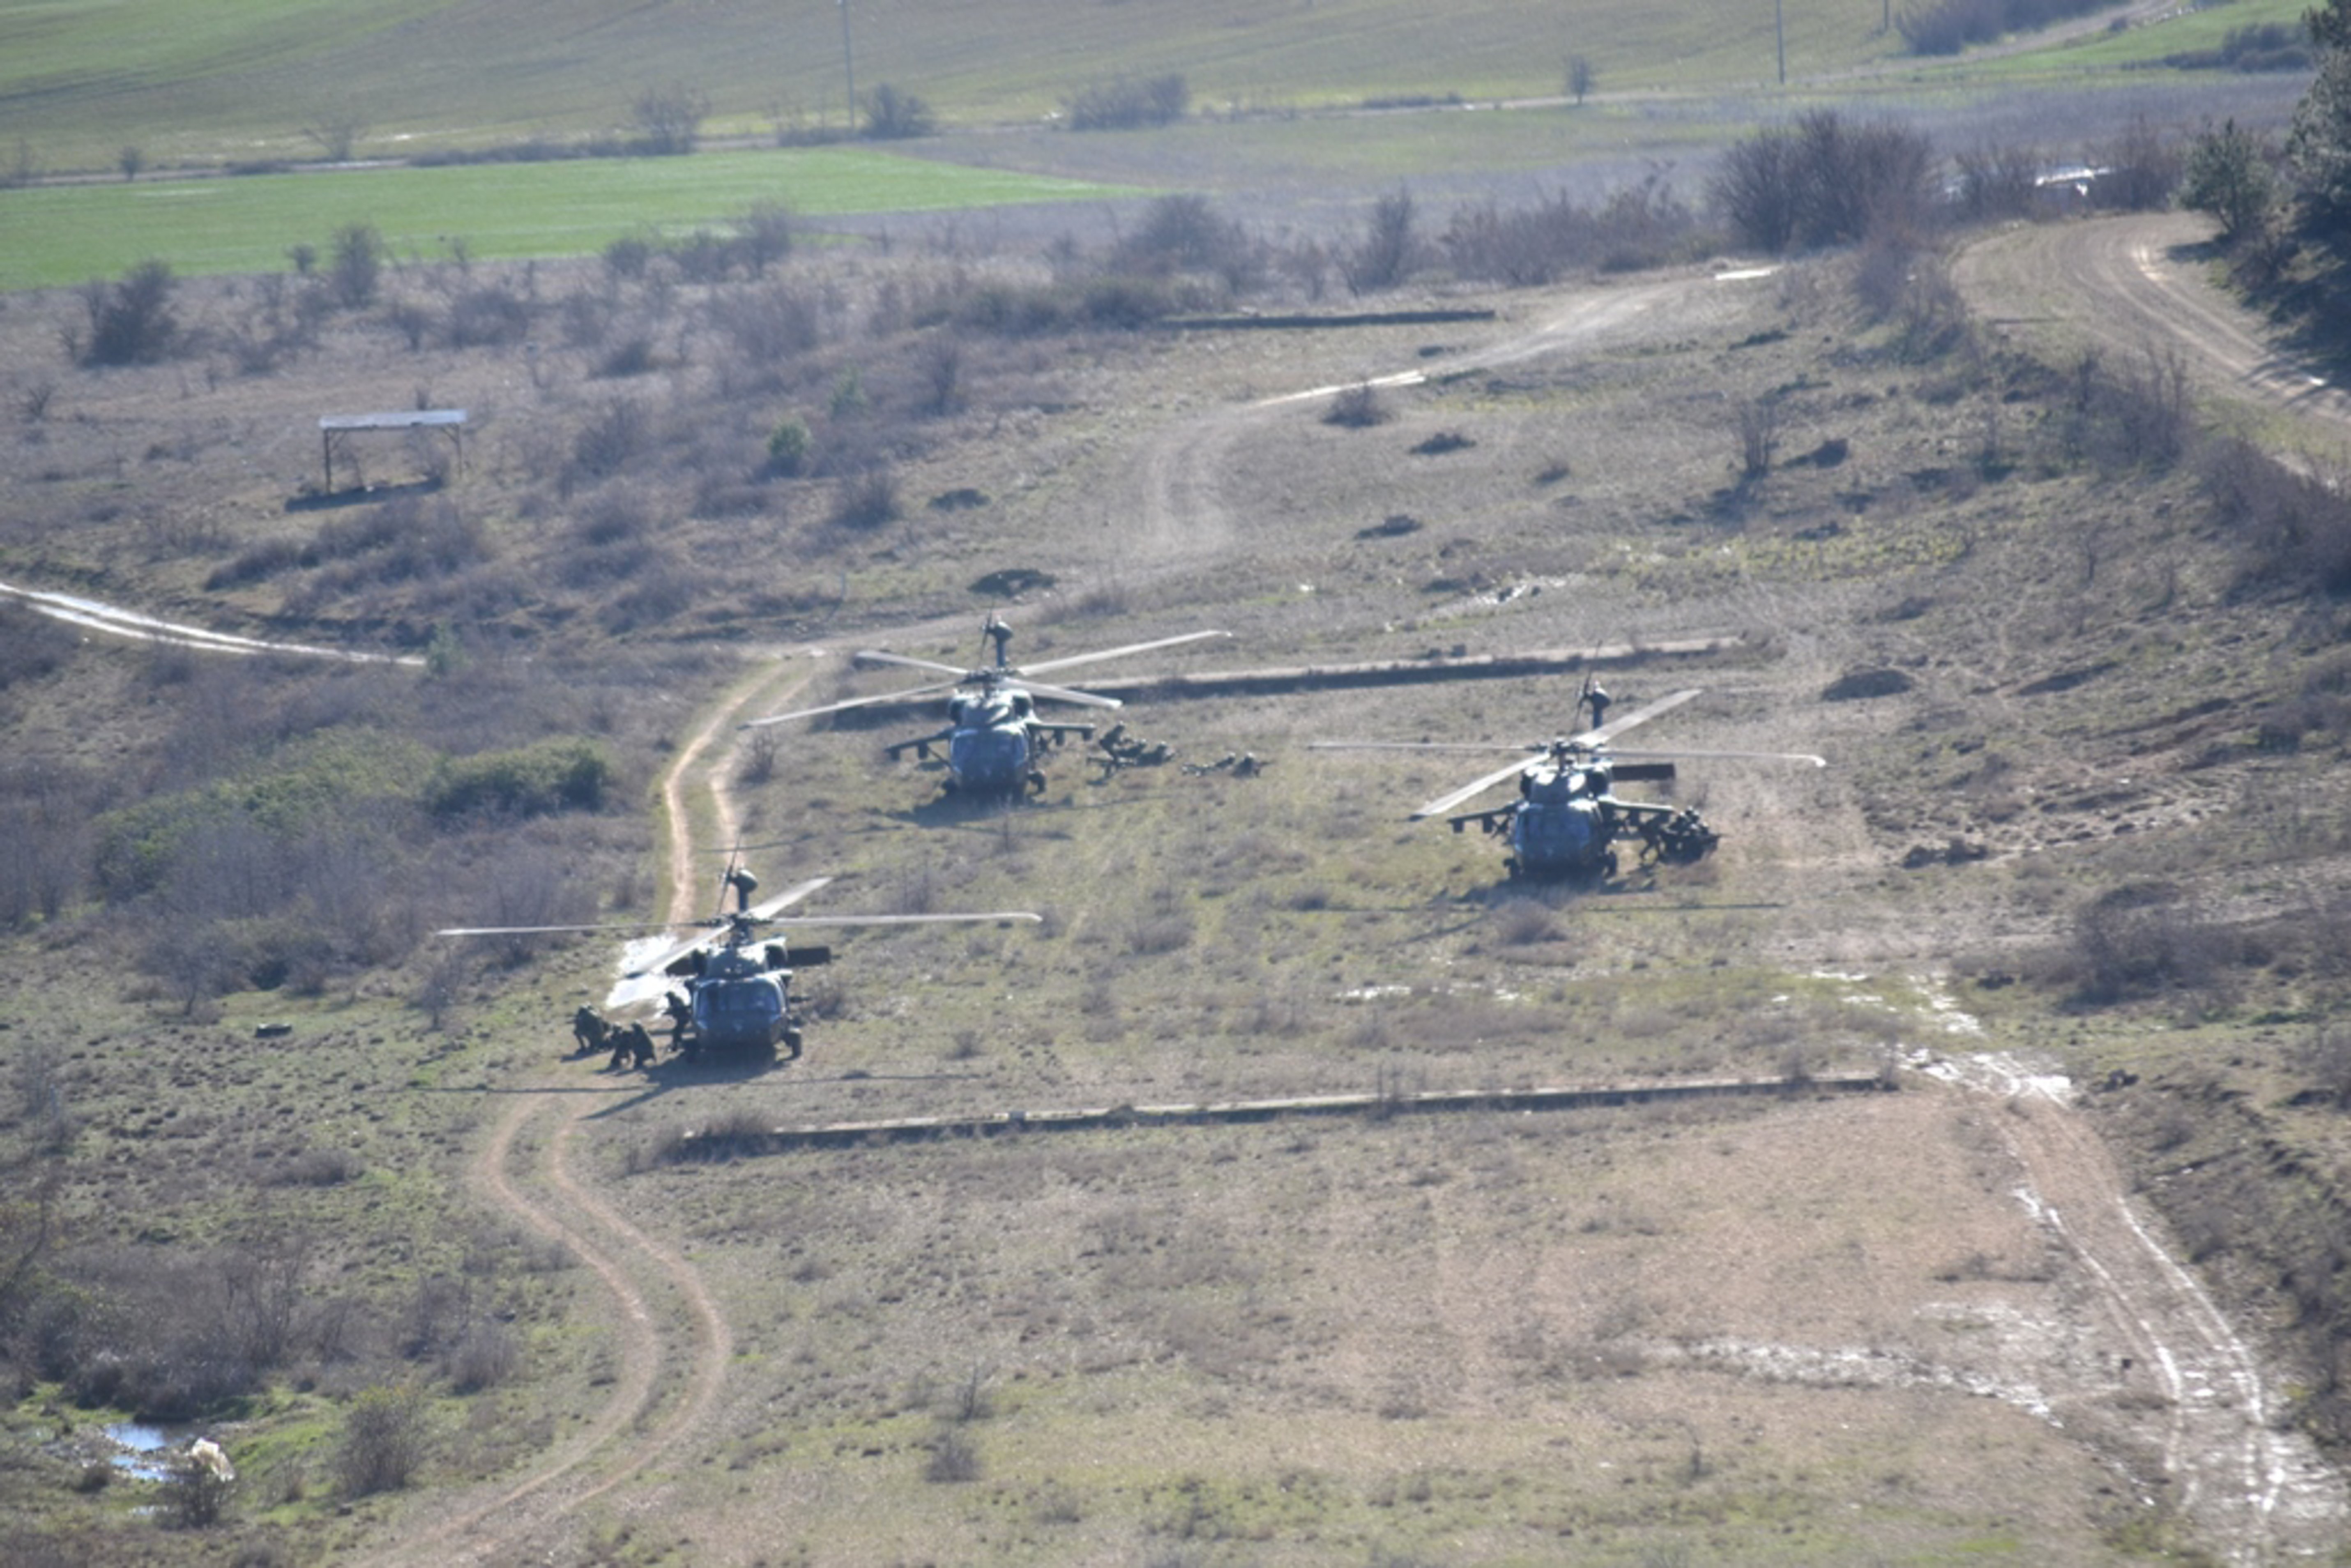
x=620 y=930
x=1445 y=803
x=1599 y=735
x=906 y=661
x=767 y=909
x=1739 y=756
x=1480 y=747
x=1075 y=659
x=1064 y=694
x=849 y=703
x=1027 y=916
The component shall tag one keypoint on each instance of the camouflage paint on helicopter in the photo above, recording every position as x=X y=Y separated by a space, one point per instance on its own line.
x=995 y=739
x=1568 y=818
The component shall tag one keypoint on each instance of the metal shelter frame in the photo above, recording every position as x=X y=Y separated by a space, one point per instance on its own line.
x=335 y=427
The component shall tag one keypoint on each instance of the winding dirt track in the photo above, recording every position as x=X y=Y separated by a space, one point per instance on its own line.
x=2131 y=286
x=671 y=1344
x=2255 y=1489
x=2125 y=285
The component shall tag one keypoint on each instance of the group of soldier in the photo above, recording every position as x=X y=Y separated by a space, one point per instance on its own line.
x=631 y=1043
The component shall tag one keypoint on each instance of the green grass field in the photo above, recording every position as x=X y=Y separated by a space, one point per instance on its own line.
x=67 y=233
x=82 y=79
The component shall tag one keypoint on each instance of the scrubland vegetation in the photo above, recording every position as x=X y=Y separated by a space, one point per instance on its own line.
x=2075 y=646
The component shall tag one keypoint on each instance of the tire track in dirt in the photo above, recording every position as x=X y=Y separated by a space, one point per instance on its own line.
x=1174 y=486
x=2131 y=286
x=672 y=1344
x=2256 y=1489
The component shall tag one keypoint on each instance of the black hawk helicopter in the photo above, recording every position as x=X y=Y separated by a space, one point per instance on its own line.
x=1567 y=820
x=736 y=975
x=994 y=739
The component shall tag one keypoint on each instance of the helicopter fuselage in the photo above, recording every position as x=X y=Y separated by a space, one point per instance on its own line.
x=741 y=1000
x=992 y=750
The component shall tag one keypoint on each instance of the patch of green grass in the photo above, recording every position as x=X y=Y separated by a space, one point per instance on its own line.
x=68 y=234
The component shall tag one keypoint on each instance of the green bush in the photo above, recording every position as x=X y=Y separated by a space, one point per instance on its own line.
x=788 y=448
x=559 y=774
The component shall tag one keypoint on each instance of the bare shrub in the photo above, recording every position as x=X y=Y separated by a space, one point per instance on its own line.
x=1389 y=249
x=866 y=500
x=2141 y=939
x=2138 y=415
x=1356 y=407
x=357 y=265
x=668 y=119
x=384 y=1441
x=893 y=114
x=131 y=323
x=953 y=1457
x=1181 y=233
x=1756 y=424
x=1824 y=180
x=610 y=440
x=488 y=317
x=198 y=1493
x=2142 y=170
x=2288 y=527
x=1129 y=103
x=1993 y=183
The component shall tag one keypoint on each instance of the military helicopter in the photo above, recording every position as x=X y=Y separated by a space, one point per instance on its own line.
x=737 y=978
x=994 y=739
x=1567 y=821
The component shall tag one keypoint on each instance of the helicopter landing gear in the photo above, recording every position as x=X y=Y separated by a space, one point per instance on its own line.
x=1036 y=781
x=792 y=1044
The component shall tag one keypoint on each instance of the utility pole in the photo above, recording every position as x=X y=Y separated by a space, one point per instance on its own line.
x=849 y=65
x=1778 y=32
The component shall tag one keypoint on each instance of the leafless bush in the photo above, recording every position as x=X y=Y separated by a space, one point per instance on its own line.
x=1357 y=407
x=1824 y=180
x=893 y=114
x=197 y=1494
x=1643 y=225
x=611 y=439
x=1524 y=922
x=357 y=265
x=2141 y=414
x=384 y=1441
x=2143 y=939
x=1757 y=423
x=669 y=118
x=488 y=317
x=1389 y=249
x=2142 y=169
x=866 y=500
x=953 y=1457
x=131 y=322
x=1128 y=103
x=2288 y=527
x=1181 y=233
x=485 y=1356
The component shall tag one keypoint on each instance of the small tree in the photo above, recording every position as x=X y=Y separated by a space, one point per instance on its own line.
x=669 y=120
x=131 y=322
x=130 y=160
x=1389 y=248
x=357 y=265
x=384 y=1441
x=2227 y=174
x=336 y=133
x=2320 y=143
x=892 y=115
x=1581 y=77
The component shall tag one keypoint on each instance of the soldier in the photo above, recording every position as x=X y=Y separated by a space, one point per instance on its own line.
x=640 y=1046
x=588 y=1031
x=681 y=1018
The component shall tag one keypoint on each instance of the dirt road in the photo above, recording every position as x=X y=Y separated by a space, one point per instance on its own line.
x=2258 y=1490
x=2134 y=285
